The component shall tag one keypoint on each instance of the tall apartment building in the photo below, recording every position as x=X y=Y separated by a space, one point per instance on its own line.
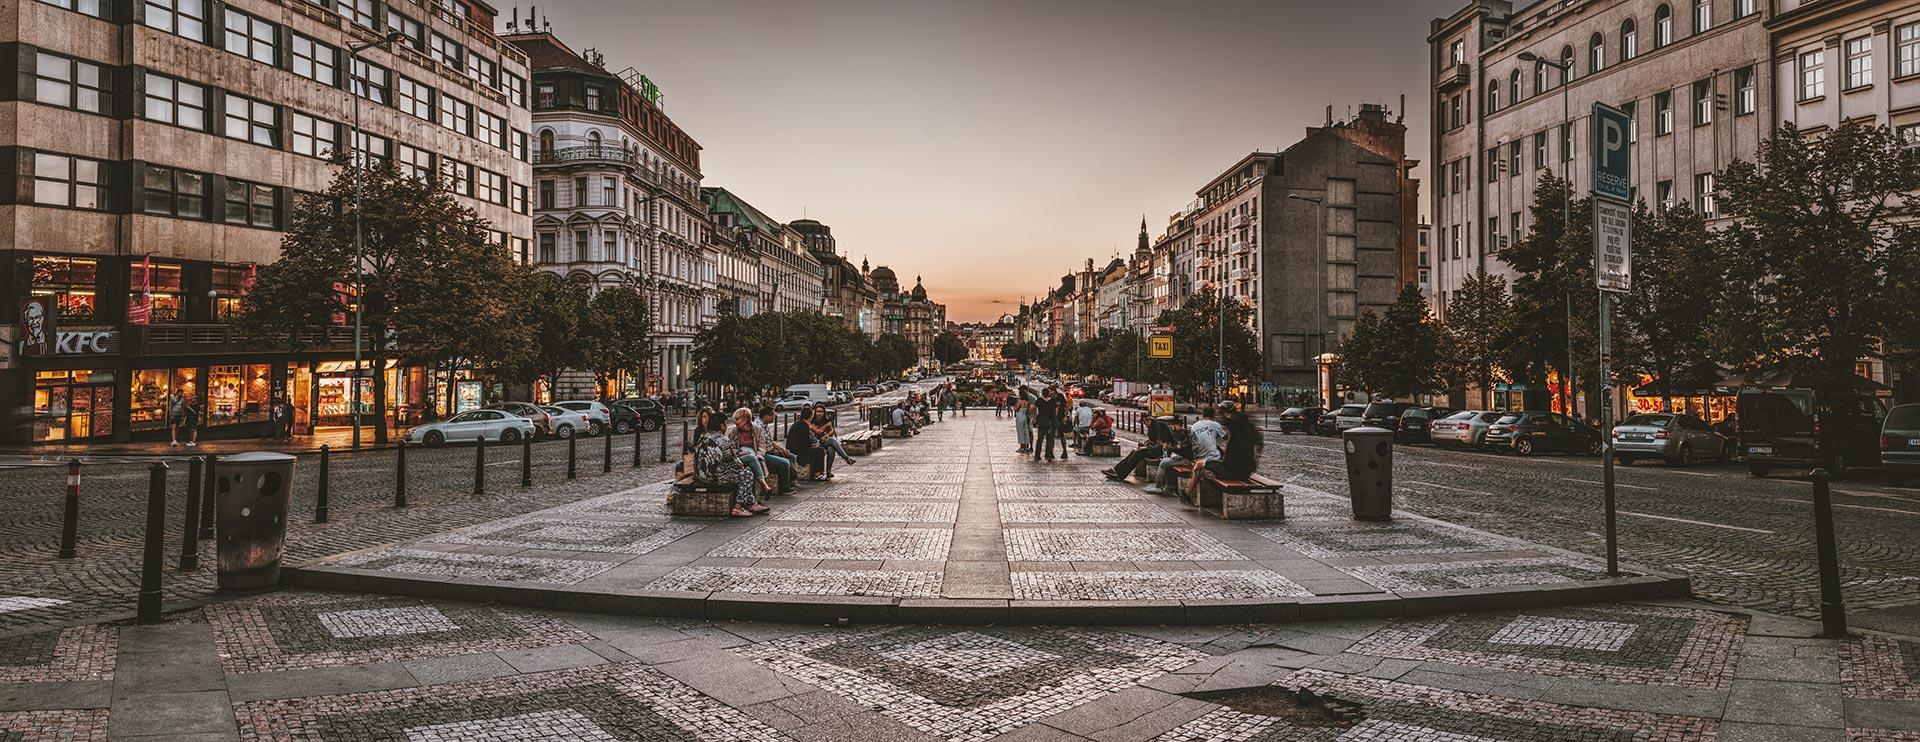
x=617 y=200
x=159 y=148
x=1694 y=74
x=1847 y=60
x=787 y=276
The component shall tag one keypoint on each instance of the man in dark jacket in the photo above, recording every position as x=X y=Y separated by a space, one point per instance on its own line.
x=1242 y=454
x=806 y=451
x=1160 y=436
x=1049 y=414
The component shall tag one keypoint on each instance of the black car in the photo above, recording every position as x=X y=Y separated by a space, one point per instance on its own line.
x=1900 y=444
x=1802 y=429
x=1325 y=425
x=1528 y=433
x=645 y=413
x=1385 y=414
x=1416 y=424
x=1300 y=419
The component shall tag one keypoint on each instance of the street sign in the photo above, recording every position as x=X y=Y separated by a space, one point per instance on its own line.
x=1219 y=378
x=1160 y=346
x=1160 y=403
x=1612 y=245
x=1612 y=163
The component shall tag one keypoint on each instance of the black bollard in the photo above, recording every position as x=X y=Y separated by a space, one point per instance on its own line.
x=400 y=475
x=636 y=445
x=480 y=465
x=320 y=501
x=1833 y=607
x=686 y=439
x=70 y=517
x=206 y=497
x=526 y=461
x=190 y=531
x=663 y=440
x=149 y=602
x=573 y=456
x=606 y=452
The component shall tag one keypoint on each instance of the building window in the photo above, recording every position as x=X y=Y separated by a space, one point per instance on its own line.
x=414 y=162
x=69 y=83
x=1906 y=40
x=546 y=144
x=1859 y=62
x=1813 y=74
x=1596 y=53
x=1633 y=121
x=1702 y=16
x=95 y=8
x=1540 y=150
x=1513 y=223
x=62 y=180
x=1744 y=8
x=250 y=120
x=546 y=248
x=1453 y=177
x=372 y=82
x=456 y=114
x=1703 y=102
x=1493 y=97
x=546 y=194
x=1745 y=91
x=518 y=147
x=414 y=97
x=520 y=199
x=543 y=95
x=315 y=60
x=1566 y=65
x=1455 y=112
x=408 y=27
x=361 y=12
x=1513 y=159
x=169 y=192
x=1703 y=195
x=1513 y=87
x=580 y=191
x=1629 y=40
x=1662 y=26
x=609 y=245
x=593 y=97
x=371 y=147
x=515 y=87
x=250 y=204
x=314 y=137
x=448 y=52
x=1663 y=194
x=490 y=187
x=1908 y=134
x=184 y=18
x=1540 y=83
x=250 y=37
x=609 y=191
x=580 y=246
x=1663 y=113
x=1566 y=143
x=70 y=281
x=1457 y=53
x=458 y=176
x=1491 y=163
x=175 y=102
x=490 y=129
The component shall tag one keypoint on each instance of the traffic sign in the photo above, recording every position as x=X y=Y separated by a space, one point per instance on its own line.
x=1220 y=378
x=1160 y=403
x=1612 y=245
x=1160 y=346
x=1612 y=163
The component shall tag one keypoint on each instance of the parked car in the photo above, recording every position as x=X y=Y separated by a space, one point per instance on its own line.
x=1348 y=416
x=1326 y=425
x=1900 y=444
x=1467 y=428
x=567 y=423
x=1384 y=414
x=492 y=425
x=1801 y=429
x=1300 y=419
x=598 y=414
x=862 y=392
x=792 y=403
x=1528 y=433
x=1678 y=439
x=1416 y=423
x=542 y=422
x=637 y=411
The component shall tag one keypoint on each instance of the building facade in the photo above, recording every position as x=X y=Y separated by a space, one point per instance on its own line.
x=1847 y=60
x=160 y=148
x=777 y=269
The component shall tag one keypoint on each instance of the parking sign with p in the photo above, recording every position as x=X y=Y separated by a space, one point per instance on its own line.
x=1612 y=162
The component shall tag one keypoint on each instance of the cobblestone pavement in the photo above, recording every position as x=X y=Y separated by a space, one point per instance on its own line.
x=305 y=665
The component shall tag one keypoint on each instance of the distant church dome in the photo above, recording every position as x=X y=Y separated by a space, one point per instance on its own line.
x=884 y=280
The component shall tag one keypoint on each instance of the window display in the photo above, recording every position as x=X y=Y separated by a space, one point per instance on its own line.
x=72 y=404
x=70 y=281
x=237 y=394
x=152 y=388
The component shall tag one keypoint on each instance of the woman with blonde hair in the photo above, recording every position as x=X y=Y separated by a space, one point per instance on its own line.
x=741 y=431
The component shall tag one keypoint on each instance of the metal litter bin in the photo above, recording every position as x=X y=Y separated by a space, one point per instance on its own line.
x=254 y=491
x=1370 y=472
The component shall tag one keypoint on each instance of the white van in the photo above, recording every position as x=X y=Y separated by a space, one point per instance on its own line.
x=817 y=393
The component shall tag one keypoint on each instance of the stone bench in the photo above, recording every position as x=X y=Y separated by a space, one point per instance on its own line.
x=1109 y=449
x=700 y=500
x=892 y=432
x=1253 y=498
x=862 y=442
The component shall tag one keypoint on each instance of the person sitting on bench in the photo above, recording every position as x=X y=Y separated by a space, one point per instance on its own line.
x=1241 y=455
x=1178 y=450
x=1160 y=437
x=902 y=421
x=1209 y=437
x=1099 y=430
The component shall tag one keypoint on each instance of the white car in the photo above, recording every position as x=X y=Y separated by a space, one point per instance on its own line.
x=1348 y=416
x=599 y=416
x=492 y=425
x=568 y=422
x=792 y=403
x=1468 y=428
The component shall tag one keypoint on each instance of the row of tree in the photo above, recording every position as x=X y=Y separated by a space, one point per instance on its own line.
x=1198 y=347
x=773 y=349
x=1818 y=269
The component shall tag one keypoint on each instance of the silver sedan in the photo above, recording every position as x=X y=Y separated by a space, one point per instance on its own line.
x=1468 y=428
x=1677 y=439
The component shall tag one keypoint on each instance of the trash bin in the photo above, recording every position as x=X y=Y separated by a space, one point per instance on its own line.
x=254 y=491
x=1370 y=472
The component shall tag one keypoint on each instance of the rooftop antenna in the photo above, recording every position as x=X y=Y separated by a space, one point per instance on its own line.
x=514 y=24
x=1329 y=114
x=1400 y=114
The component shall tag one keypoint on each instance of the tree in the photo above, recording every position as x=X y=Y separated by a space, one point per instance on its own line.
x=556 y=309
x=1477 y=324
x=431 y=278
x=1025 y=351
x=1063 y=357
x=1554 y=305
x=949 y=349
x=1395 y=353
x=1196 y=342
x=1664 y=324
x=1813 y=248
x=895 y=354
x=616 y=330
x=731 y=352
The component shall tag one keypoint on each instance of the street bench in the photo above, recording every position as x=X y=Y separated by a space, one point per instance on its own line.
x=1107 y=449
x=1253 y=498
x=700 y=500
x=893 y=431
x=862 y=442
x=1147 y=469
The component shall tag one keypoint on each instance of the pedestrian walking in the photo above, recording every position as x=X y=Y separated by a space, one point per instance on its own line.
x=1023 y=425
x=190 y=423
x=1051 y=416
x=176 y=414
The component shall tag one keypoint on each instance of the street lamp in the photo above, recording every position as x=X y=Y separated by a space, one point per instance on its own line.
x=1320 y=314
x=1566 y=198
x=359 y=204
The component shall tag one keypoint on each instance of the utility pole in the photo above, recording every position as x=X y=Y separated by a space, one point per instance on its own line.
x=359 y=219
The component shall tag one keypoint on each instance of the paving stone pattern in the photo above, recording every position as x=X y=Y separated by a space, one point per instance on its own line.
x=1395 y=538
x=785 y=542
x=60 y=725
x=899 y=491
x=1187 y=585
x=1428 y=576
x=78 y=653
x=870 y=512
x=1641 y=644
x=468 y=566
x=1114 y=545
x=571 y=534
x=781 y=581
x=308 y=630
x=1882 y=667
x=1082 y=512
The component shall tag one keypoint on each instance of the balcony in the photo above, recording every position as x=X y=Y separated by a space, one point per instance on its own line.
x=172 y=339
x=586 y=153
x=1454 y=76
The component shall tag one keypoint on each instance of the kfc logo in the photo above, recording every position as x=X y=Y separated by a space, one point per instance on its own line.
x=37 y=318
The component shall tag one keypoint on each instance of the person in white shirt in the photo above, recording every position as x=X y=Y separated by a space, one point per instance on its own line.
x=1209 y=436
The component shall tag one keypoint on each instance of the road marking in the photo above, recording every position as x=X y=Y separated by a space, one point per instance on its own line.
x=1616 y=484
x=1694 y=522
x=1456 y=466
x=1882 y=495
x=1856 y=507
x=1456 y=489
x=1689 y=473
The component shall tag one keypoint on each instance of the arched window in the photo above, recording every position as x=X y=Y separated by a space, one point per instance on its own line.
x=1702 y=15
x=1629 y=40
x=1513 y=87
x=1566 y=64
x=1493 y=96
x=593 y=137
x=1662 y=26
x=1596 y=53
x=546 y=142
x=1540 y=78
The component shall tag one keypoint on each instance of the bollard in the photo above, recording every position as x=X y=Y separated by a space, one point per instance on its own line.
x=320 y=502
x=149 y=602
x=686 y=439
x=663 y=440
x=526 y=461
x=636 y=446
x=70 y=519
x=206 y=498
x=573 y=458
x=1833 y=607
x=400 y=475
x=606 y=452
x=480 y=465
x=190 y=531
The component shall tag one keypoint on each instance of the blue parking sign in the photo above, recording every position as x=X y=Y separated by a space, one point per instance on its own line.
x=1220 y=378
x=1612 y=163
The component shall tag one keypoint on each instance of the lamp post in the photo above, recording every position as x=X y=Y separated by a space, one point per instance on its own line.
x=359 y=217
x=1320 y=314
x=1566 y=199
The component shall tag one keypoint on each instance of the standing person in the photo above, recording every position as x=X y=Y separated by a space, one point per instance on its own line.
x=1049 y=414
x=1063 y=427
x=940 y=402
x=190 y=422
x=806 y=446
x=176 y=414
x=1208 y=438
x=1023 y=425
x=716 y=461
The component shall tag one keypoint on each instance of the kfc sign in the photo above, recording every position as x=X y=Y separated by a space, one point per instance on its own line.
x=37 y=325
x=86 y=343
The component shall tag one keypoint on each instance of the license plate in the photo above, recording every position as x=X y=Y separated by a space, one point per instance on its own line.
x=1633 y=437
x=1913 y=442
x=1759 y=450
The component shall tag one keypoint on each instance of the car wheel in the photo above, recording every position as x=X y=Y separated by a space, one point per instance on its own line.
x=623 y=427
x=1623 y=460
x=1686 y=456
x=509 y=436
x=1758 y=471
x=1524 y=447
x=1596 y=448
x=435 y=438
x=595 y=428
x=650 y=424
x=563 y=432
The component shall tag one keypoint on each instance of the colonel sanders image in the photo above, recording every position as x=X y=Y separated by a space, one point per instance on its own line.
x=36 y=337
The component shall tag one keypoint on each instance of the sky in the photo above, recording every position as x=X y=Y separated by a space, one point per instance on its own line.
x=992 y=146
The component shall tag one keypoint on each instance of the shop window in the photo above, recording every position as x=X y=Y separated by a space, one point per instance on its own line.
x=237 y=394
x=171 y=192
x=70 y=281
x=154 y=391
x=62 y=180
x=162 y=281
x=230 y=286
x=70 y=405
